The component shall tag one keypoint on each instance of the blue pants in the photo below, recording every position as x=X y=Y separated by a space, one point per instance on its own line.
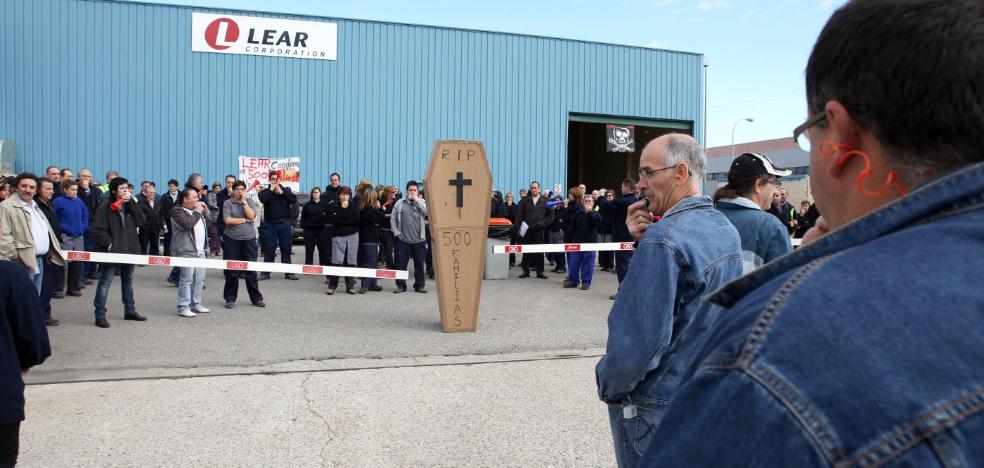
x=368 y=253
x=403 y=253
x=88 y=268
x=622 y=259
x=108 y=271
x=278 y=233
x=581 y=267
x=37 y=278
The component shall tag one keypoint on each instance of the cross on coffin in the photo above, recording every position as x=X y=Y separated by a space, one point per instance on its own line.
x=460 y=182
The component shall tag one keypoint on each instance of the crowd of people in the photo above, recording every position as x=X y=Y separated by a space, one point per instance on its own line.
x=864 y=347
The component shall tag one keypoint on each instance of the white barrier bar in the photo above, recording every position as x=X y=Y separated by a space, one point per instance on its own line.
x=217 y=264
x=550 y=248
x=796 y=242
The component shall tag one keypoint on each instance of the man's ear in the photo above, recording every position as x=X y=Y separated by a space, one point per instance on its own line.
x=843 y=130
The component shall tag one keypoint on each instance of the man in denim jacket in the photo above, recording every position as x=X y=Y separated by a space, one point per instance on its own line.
x=661 y=312
x=865 y=347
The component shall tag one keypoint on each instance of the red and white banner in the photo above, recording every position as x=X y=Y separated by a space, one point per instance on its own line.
x=255 y=171
x=551 y=248
x=256 y=35
x=218 y=264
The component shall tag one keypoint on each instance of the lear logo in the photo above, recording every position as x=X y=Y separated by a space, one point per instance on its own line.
x=221 y=33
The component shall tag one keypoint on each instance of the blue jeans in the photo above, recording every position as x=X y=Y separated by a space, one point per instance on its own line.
x=403 y=253
x=190 y=286
x=631 y=436
x=369 y=253
x=107 y=271
x=581 y=268
x=276 y=233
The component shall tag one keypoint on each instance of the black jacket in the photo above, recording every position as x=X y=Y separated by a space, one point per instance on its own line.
x=511 y=211
x=313 y=215
x=166 y=205
x=153 y=217
x=109 y=231
x=23 y=338
x=92 y=198
x=346 y=220
x=618 y=209
x=569 y=213
x=584 y=227
x=52 y=217
x=371 y=220
x=536 y=216
x=330 y=195
x=276 y=206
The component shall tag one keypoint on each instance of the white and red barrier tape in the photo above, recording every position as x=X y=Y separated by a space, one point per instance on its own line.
x=156 y=260
x=594 y=247
x=550 y=248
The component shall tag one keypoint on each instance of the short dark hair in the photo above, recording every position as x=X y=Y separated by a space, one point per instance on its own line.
x=335 y=174
x=412 y=182
x=273 y=173
x=173 y=182
x=42 y=180
x=25 y=175
x=535 y=182
x=228 y=176
x=344 y=190
x=48 y=169
x=238 y=183
x=910 y=72
x=186 y=192
x=67 y=184
x=151 y=183
x=631 y=184
x=115 y=184
x=63 y=170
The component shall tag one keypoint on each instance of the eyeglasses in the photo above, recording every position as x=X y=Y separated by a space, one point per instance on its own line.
x=800 y=136
x=645 y=173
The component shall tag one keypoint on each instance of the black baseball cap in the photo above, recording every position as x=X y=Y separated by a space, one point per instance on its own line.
x=752 y=165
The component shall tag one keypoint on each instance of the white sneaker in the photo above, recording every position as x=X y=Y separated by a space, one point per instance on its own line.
x=200 y=309
x=186 y=313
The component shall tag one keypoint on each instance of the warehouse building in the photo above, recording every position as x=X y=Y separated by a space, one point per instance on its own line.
x=159 y=91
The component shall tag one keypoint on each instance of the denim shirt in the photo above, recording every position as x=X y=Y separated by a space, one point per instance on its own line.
x=863 y=348
x=661 y=313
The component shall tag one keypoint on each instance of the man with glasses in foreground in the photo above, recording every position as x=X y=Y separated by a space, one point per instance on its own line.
x=866 y=346
x=660 y=314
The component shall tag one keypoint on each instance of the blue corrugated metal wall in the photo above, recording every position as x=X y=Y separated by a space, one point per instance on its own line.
x=102 y=84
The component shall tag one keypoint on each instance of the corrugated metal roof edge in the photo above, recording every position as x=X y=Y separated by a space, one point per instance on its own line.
x=338 y=18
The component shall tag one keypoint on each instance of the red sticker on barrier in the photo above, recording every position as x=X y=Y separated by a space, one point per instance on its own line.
x=237 y=265
x=572 y=247
x=386 y=274
x=152 y=260
x=514 y=249
x=312 y=269
x=79 y=256
x=628 y=246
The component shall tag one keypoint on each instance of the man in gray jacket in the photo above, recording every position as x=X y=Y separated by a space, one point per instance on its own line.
x=410 y=231
x=188 y=240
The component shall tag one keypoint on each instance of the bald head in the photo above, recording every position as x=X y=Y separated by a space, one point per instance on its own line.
x=670 y=169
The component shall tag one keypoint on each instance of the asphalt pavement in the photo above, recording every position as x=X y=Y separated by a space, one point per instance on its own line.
x=317 y=380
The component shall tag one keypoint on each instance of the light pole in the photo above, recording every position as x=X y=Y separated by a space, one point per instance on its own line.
x=746 y=119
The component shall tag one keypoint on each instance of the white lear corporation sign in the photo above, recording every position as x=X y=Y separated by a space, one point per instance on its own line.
x=272 y=37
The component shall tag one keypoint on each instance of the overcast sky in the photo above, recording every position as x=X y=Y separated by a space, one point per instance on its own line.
x=757 y=49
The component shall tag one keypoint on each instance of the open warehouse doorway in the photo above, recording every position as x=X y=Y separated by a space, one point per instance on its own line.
x=598 y=150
